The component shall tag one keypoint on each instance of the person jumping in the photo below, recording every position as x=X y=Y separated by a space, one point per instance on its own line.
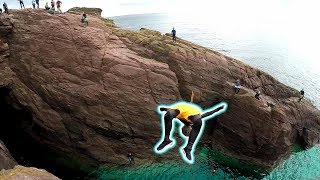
x=190 y=115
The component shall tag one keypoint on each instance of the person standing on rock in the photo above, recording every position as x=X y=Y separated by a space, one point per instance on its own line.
x=5 y=7
x=130 y=158
x=188 y=114
x=59 y=6
x=301 y=95
x=34 y=4
x=257 y=96
x=173 y=33
x=21 y=4
x=53 y=6
x=237 y=86
x=37 y=2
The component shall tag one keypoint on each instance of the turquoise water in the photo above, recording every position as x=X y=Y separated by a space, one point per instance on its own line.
x=300 y=165
x=202 y=169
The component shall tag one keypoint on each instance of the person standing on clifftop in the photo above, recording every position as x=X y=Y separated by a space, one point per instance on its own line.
x=174 y=32
x=301 y=95
x=5 y=7
x=37 y=2
x=21 y=4
x=34 y=4
x=52 y=6
x=59 y=6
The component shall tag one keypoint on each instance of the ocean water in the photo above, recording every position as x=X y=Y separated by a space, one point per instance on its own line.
x=301 y=165
x=267 y=44
x=264 y=44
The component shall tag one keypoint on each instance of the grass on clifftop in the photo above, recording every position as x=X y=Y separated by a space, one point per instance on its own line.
x=90 y=11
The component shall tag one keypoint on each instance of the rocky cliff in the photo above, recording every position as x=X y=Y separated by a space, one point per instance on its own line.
x=6 y=160
x=92 y=92
x=20 y=172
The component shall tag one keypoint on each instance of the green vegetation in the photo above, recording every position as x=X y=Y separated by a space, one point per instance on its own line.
x=89 y=11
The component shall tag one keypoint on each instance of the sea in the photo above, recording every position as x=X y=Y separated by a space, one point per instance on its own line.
x=277 y=46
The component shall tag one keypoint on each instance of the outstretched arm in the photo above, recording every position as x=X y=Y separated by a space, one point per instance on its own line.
x=211 y=112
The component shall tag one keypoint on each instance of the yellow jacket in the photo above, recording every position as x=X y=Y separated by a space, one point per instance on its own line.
x=186 y=109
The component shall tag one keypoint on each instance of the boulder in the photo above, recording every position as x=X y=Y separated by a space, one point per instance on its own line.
x=25 y=173
x=6 y=160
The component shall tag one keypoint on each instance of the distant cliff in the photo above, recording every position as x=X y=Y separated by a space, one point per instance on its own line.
x=90 y=11
x=92 y=92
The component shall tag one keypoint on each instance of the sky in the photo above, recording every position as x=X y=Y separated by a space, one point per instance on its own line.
x=194 y=7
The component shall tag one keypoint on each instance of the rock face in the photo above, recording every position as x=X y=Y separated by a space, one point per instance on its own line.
x=6 y=160
x=93 y=91
x=24 y=173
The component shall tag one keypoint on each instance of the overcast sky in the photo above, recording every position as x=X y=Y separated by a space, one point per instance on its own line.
x=188 y=7
x=296 y=19
x=110 y=7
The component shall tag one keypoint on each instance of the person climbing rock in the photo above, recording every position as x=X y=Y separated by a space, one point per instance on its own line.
x=173 y=33
x=130 y=158
x=5 y=7
x=257 y=96
x=301 y=95
x=84 y=20
x=59 y=6
x=47 y=6
x=237 y=86
x=37 y=2
x=34 y=4
x=190 y=115
x=21 y=4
